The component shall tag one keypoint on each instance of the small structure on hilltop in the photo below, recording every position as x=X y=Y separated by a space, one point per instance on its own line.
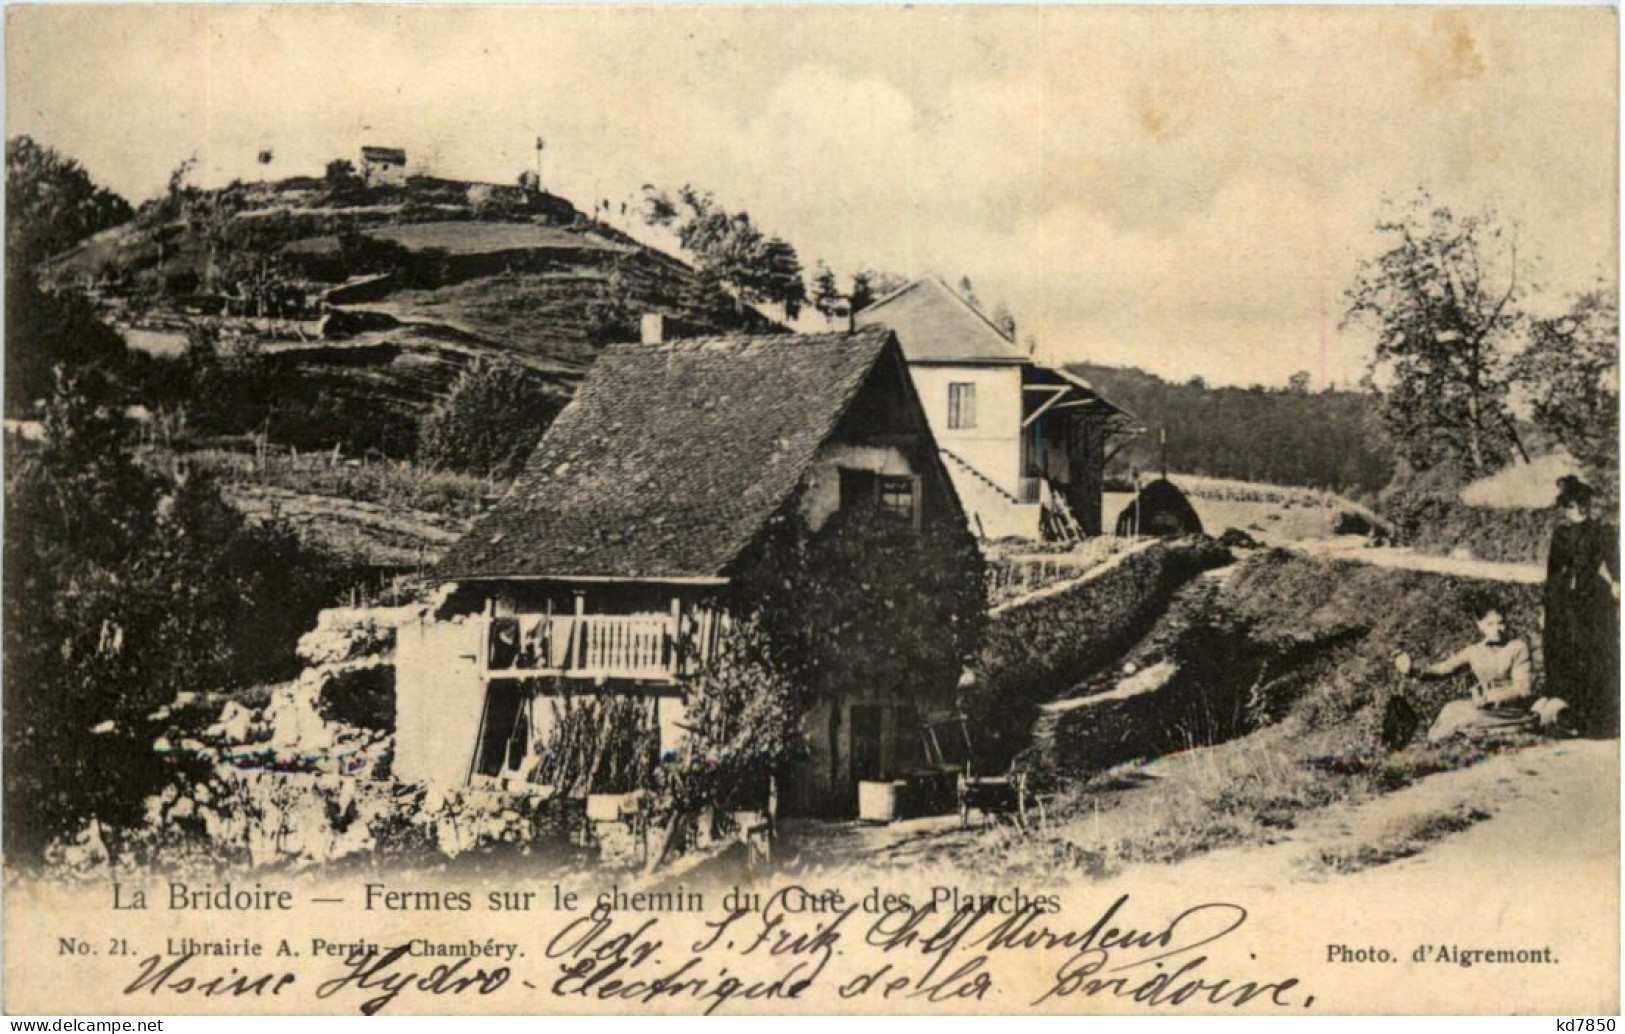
x=1160 y=509
x=380 y=165
x=650 y=520
x=1026 y=444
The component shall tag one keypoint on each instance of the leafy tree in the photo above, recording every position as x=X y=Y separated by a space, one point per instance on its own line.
x=52 y=203
x=1444 y=298
x=48 y=328
x=341 y=172
x=729 y=248
x=780 y=277
x=870 y=285
x=658 y=208
x=179 y=193
x=1571 y=372
x=123 y=587
x=490 y=421
x=827 y=297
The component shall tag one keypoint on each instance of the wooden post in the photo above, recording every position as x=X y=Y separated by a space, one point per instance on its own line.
x=674 y=658
x=580 y=631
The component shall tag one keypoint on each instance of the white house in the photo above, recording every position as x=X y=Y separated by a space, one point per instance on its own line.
x=1026 y=444
x=383 y=165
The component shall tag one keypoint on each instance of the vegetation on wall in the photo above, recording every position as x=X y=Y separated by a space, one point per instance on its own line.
x=867 y=599
x=1034 y=652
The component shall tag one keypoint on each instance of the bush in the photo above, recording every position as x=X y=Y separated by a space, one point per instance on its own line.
x=490 y=421
x=45 y=328
x=744 y=718
x=360 y=697
x=1431 y=518
x=122 y=588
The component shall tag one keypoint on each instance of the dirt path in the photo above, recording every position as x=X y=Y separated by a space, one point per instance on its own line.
x=1543 y=807
x=1520 y=852
x=1353 y=547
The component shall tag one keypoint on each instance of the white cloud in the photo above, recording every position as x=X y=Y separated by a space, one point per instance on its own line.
x=1188 y=189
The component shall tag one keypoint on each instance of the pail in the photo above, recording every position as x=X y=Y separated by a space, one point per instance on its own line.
x=878 y=802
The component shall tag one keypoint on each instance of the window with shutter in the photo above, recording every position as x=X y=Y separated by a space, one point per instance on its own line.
x=961 y=406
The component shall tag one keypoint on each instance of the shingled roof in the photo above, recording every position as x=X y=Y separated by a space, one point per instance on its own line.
x=935 y=325
x=670 y=459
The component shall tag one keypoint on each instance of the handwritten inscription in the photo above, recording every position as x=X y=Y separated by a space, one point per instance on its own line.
x=781 y=951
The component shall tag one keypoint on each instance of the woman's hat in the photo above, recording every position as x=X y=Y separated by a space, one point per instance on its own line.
x=1571 y=491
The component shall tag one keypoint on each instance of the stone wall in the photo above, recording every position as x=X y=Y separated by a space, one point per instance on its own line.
x=1040 y=644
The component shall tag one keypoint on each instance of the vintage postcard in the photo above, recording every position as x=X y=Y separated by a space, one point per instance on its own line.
x=811 y=510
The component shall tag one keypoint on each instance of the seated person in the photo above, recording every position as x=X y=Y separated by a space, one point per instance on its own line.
x=1502 y=697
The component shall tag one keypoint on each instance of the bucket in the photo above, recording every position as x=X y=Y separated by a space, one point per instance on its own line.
x=611 y=807
x=878 y=802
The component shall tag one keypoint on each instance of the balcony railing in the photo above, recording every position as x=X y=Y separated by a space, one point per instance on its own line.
x=586 y=646
x=1029 y=490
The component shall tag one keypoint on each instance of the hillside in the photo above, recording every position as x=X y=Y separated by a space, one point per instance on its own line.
x=344 y=309
x=1286 y=436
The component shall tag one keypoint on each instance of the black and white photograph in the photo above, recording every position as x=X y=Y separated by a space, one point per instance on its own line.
x=811 y=510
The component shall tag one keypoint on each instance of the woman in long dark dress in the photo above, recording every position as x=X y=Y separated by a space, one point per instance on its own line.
x=1582 y=612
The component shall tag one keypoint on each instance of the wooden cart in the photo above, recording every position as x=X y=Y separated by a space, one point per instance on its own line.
x=949 y=748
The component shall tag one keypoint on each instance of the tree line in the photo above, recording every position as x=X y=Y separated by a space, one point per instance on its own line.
x=1328 y=439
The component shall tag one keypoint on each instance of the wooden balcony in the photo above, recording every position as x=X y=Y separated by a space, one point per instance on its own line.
x=642 y=647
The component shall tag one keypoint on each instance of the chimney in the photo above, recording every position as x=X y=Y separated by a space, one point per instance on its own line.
x=654 y=328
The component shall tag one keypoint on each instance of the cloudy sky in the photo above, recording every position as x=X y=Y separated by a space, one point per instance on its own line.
x=1185 y=190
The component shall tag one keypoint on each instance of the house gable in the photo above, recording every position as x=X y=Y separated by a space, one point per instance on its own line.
x=671 y=458
x=936 y=325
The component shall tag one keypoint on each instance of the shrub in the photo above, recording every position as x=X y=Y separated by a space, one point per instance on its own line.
x=597 y=744
x=1429 y=515
x=489 y=422
x=362 y=697
x=45 y=328
x=744 y=719
x=123 y=587
x=1035 y=650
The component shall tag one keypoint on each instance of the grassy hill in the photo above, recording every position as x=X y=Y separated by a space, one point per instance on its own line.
x=349 y=308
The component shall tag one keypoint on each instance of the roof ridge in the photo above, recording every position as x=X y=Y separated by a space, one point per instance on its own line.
x=748 y=336
x=837 y=413
x=979 y=314
x=895 y=293
x=728 y=443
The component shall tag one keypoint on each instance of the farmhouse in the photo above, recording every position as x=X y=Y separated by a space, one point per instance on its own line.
x=1026 y=444
x=629 y=544
x=383 y=165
